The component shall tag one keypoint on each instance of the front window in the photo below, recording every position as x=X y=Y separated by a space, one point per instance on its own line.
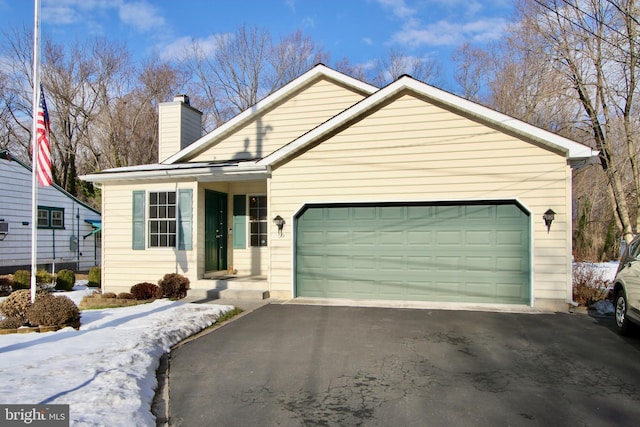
x=258 y=220
x=162 y=219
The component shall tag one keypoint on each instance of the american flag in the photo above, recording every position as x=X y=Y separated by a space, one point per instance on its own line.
x=44 y=150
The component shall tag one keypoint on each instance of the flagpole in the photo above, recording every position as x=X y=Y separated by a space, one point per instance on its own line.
x=34 y=148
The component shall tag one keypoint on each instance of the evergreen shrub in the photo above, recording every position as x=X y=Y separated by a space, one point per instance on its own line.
x=65 y=280
x=95 y=277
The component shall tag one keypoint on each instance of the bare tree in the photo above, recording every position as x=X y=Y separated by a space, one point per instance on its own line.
x=593 y=45
x=473 y=67
x=244 y=67
x=397 y=63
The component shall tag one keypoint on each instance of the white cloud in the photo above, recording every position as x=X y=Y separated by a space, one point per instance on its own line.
x=448 y=33
x=140 y=15
x=185 y=47
x=399 y=8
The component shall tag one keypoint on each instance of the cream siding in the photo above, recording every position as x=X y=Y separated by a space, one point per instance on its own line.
x=410 y=150
x=126 y=267
x=269 y=131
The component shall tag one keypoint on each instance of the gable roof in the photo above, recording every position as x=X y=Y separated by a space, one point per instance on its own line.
x=405 y=84
x=249 y=114
x=5 y=155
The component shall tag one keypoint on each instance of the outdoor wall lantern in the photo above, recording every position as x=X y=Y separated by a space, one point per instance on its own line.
x=548 y=217
x=279 y=222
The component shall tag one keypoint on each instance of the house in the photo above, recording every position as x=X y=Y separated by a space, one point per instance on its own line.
x=331 y=188
x=68 y=230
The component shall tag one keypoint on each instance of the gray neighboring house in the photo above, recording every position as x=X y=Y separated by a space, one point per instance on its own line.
x=69 y=231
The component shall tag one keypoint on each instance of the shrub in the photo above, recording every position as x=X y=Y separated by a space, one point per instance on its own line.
x=17 y=304
x=21 y=280
x=144 y=290
x=5 y=286
x=108 y=295
x=51 y=310
x=43 y=277
x=95 y=277
x=125 y=295
x=11 y=323
x=173 y=286
x=589 y=285
x=65 y=280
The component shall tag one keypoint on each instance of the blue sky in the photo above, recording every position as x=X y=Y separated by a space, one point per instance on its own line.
x=360 y=30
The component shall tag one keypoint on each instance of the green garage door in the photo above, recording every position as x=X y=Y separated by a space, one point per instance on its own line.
x=435 y=252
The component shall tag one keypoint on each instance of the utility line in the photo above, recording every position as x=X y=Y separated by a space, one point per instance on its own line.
x=581 y=27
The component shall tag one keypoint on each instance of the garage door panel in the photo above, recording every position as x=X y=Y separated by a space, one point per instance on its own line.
x=473 y=253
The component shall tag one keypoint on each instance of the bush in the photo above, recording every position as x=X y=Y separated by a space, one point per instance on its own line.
x=173 y=286
x=43 y=277
x=125 y=295
x=21 y=280
x=50 y=310
x=144 y=290
x=5 y=286
x=108 y=295
x=65 y=280
x=589 y=285
x=11 y=323
x=17 y=304
x=95 y=277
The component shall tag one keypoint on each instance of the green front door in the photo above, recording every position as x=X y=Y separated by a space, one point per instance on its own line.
x=215 y=231
x=476 y=252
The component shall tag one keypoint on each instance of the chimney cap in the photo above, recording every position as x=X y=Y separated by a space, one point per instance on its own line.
x=181 y=98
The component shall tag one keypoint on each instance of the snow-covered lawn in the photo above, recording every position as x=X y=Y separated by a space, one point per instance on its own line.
x=106 y=370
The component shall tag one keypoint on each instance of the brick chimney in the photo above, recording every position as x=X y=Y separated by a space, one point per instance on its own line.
x=179 y=125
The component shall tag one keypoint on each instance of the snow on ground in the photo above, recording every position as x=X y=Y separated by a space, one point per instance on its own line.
x=106 y=370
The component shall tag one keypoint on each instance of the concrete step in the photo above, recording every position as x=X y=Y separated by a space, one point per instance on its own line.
x=232 y=283
x=239 y=294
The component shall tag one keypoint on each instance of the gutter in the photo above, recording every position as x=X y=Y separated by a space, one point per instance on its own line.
x=209 y=172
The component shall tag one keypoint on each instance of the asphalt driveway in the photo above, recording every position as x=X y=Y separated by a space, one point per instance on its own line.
x=294 y=365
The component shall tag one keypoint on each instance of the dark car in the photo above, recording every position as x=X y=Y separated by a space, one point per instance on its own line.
x=626 y=290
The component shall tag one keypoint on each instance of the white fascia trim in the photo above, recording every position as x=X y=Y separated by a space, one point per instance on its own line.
x=230 y=173
x=572 y=149
x=286 y=90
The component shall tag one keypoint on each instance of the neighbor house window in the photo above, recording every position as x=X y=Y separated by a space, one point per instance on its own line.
x=258 y=220
x=50 y=217
x=162 y=219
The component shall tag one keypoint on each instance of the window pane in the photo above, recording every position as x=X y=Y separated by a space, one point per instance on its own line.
x=162 y=198
x=172 y=240
x=171 y=212
x=154 y=241
x=43 y=218
x=171 y=197
x=153 y=198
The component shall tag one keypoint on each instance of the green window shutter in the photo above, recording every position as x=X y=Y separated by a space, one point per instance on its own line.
x=239 y=221
x=138 y=220
x=185 y=219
